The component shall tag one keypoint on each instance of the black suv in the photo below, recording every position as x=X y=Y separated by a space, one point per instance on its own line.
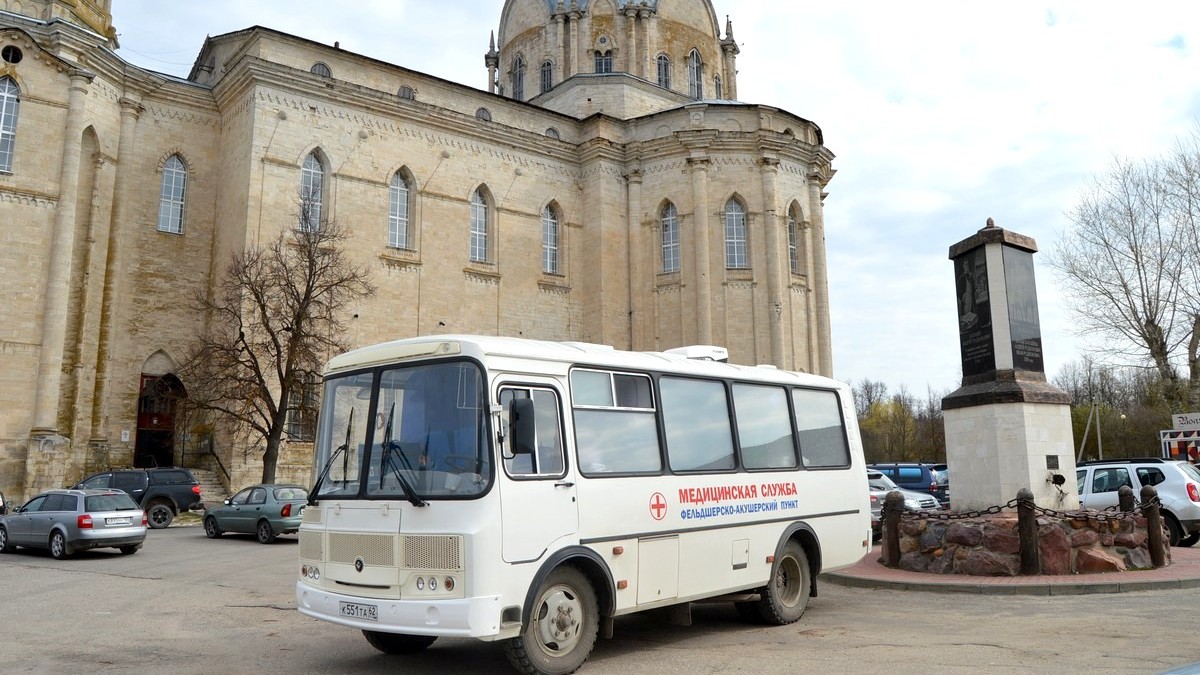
x=932 y=479
x=161 y=492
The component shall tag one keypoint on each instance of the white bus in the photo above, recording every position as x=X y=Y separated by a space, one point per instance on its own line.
x=530 y=492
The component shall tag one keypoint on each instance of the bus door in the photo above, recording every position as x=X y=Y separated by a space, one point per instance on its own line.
x=537 y=488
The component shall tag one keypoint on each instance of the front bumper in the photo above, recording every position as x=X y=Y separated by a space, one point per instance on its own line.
x=469 y=617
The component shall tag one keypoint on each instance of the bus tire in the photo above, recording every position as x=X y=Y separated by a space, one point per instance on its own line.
x=562 y=628
x=398 y=643
x=785 y=597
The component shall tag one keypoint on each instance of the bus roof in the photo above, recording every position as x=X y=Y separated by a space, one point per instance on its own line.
x=484 y=346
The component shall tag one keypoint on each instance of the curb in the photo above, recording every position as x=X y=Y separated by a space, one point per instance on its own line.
x=1043 y=589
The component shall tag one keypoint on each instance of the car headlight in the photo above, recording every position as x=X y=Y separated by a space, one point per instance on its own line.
x=912 y=504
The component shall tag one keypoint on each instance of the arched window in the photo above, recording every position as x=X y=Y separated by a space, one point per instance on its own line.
x=10 y=101
x=735 y=236
x=170 y=201
x=604 y=62
x=670 y=239
x=320 y=70
x=518 y=78
x=312 y=192
x=664 y=71
x=547 y=76
x=695 y=75
x=479 y=226
x=717 y=87
x=398 y=212
x=408 y=93
x=549 y=241
x=551 y=132
x=483 y=114
x=793 y=242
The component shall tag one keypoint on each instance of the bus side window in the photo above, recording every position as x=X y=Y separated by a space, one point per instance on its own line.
x=548 y=456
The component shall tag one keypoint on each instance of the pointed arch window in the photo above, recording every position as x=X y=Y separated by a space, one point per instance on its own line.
x=518 y=78
x=664 y=71
x=170 y=201
x=312 y=192
x=695 y=75
x=670 y=239
x=604 y=62
x=735 y=236
x=793 y=242
x=10 y=101
x=547 y=73
x=549 y=240
x=479 y=226
x=398 y=212
x=717 y=91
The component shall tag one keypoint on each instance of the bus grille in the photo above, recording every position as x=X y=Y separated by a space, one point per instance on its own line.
x=310 y=545
x=437 y=552
x=374 y=549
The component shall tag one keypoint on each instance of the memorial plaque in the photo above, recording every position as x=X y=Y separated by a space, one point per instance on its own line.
x=974 y=313
x=1024 y=326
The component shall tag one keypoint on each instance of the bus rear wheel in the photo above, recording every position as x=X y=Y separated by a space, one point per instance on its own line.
x=785 y=597
x=562 y=626
x=398 y=643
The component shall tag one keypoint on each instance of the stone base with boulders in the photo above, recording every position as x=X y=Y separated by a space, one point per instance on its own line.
x=1078 y=542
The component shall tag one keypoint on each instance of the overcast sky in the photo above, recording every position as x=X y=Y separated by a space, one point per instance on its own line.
x=941 y=114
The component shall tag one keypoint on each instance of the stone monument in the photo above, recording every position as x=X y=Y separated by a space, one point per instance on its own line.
x=1007 y=428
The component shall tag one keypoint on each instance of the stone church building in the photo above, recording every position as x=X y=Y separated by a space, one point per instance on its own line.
x=605 y=185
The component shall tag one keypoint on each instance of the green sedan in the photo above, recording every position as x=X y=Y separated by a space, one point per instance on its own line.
x=264 y=510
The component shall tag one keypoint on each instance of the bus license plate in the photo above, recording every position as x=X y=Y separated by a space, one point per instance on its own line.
x=357 y=611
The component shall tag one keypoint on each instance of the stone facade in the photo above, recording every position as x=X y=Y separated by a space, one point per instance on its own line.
x=99 y=297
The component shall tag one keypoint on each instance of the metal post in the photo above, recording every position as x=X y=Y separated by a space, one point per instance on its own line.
x=1125 y=499
x=1154 y=528
x=1027 y=533
x=893 y=506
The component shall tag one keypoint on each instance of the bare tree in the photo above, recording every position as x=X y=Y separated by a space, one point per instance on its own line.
x=274 y=318
x=1126 y=265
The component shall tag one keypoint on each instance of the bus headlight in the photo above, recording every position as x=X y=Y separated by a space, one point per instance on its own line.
x=420 y=583
x=310 y=572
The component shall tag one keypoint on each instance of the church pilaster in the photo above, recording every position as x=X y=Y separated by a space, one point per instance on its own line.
x=769 y=168
x=820 y=282
x=58 y=272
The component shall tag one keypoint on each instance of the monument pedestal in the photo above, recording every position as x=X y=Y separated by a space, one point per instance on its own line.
x=1007 y=428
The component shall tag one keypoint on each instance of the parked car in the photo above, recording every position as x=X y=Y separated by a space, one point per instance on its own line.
x=163 y=492
x=66 y=521
x=264 y=510
x=880 y=485
x=1178 y=485
x=926 y=478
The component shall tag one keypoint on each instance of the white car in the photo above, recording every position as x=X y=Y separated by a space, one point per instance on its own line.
x=880 y=485
x=1178 y=485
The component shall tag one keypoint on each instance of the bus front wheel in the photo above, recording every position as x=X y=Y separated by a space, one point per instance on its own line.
x=785 y=596
x=562 y=626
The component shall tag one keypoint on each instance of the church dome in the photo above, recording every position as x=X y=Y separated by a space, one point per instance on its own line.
x=674 y=44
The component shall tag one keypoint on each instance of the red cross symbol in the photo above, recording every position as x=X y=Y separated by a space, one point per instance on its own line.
x=658 y=506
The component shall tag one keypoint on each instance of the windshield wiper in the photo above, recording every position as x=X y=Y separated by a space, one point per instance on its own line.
x=389 y=462
x=341 y=449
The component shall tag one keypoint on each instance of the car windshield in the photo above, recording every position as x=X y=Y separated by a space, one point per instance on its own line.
x=1190 y=471
x=882 y=482
x=410 y=432
x=110 y=502
x=290 y=494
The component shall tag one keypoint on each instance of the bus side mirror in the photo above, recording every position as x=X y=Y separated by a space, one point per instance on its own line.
x=520 y=422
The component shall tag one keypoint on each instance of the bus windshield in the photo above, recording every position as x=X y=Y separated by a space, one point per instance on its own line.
x=410 y=432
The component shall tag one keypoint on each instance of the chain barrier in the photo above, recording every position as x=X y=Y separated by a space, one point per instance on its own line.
x=1110 y=514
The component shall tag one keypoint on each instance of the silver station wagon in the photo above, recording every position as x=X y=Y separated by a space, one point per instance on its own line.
x=66 y=521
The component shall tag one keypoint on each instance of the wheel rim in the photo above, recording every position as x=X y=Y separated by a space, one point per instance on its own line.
x=159 y=514
x=788 y=581
x=57 y=545
x=559 y=620
x=3 y=538
x=264 y=531
x=210 y=527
